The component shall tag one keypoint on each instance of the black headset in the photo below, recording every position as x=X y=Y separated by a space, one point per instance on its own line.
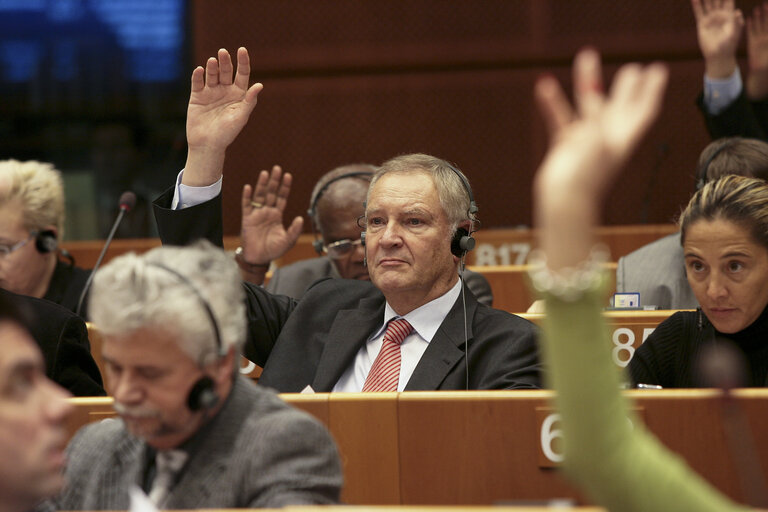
x=45 y=241
x=462 y=241
x=312 y=211
x=203 y=393
x=701 y=174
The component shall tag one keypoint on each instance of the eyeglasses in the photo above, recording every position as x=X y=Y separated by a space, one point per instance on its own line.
x=6 y=249
x=342 y=248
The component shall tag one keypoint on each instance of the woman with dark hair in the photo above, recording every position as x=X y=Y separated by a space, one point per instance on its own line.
x=724 y=233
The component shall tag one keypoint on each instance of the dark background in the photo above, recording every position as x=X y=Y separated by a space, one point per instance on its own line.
x=345 y=81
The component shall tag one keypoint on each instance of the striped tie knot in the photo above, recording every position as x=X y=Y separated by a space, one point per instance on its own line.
x=385 y=372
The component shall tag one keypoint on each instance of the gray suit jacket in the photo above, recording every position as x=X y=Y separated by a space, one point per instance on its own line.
x=657 y=272
x=294 y=279
x=257 y=452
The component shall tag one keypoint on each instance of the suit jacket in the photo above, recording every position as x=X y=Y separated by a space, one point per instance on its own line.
x=256 y=452
x=63 y=340
x=312 y=341
x=657 y=272
x=294 y=279
x=742 y=118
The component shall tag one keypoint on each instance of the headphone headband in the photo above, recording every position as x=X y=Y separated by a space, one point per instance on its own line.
x=206 y=305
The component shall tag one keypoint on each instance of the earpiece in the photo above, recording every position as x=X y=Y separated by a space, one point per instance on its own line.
x=202 y=395
x=462 y=242
x=45 y=241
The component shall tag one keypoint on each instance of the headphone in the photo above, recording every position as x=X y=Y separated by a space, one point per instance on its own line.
x=203 y=393
x=462 y=241
x=701 y=173
x=312 y=211
x=45 y=241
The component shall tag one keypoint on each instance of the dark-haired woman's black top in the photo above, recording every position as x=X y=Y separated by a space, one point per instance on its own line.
x=671 y=354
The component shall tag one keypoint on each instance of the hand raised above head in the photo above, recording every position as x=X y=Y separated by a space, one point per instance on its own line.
x=219 y=108
x=591 y=140
x=589 y=143
x=718 y=26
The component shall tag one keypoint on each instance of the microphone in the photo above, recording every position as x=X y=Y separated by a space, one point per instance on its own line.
x=721 y=365
x=127 y=202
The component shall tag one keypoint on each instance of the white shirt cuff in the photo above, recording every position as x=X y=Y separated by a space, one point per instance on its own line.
x=720 y=93
x=185 y=196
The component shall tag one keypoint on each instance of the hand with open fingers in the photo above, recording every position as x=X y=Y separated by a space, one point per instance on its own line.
x=590 y=141
x=219 y=106
x=262 y=234
x=757 y=53
x=718 y=25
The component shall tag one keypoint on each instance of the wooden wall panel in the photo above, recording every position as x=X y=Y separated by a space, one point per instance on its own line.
x=350 y=80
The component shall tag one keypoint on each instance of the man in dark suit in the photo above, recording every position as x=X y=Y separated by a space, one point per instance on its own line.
x=63 y=340
x=173 y=323
x=33 y=413
x=418 y=218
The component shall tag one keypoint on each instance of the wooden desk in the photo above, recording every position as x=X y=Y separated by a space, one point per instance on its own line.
x=509 y=284
x=628 y=329
x=486 y=447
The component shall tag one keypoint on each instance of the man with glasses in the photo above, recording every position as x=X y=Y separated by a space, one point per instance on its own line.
x=336 y=204
x=31 y=224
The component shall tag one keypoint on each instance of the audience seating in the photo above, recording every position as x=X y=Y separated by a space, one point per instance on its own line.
x=487 y=447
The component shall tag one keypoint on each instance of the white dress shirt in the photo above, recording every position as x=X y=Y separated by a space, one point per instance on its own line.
x=425 y=320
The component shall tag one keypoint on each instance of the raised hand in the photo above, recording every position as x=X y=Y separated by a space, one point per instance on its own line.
x=589 y=143
x=262 y=234
x=718 y=25
x=219 y=108
x=757 y=52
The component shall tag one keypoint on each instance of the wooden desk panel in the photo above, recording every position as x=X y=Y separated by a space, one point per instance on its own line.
x=365 y=426
x=485 y=447
x=474 y=448
x=628 y=329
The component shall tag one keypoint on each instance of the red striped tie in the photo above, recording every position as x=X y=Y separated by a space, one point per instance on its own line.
x=385 y=372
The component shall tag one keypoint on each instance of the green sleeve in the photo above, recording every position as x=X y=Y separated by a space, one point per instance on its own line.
x=621 y=468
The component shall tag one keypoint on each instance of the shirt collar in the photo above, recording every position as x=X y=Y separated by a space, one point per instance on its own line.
x=426 y=319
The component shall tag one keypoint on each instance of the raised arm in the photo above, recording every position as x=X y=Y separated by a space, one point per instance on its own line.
x=262 y=234
x=219 y=108
x=718 y=26
x=757 y=51
x=589 y=144
x=619 y=466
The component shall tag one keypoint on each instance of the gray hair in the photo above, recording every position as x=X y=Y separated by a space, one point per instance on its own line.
x=453 y=195
x=134 y=291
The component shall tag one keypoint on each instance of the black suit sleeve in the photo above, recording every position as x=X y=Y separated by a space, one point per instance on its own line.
x=182 y=227
x=267 y=314
x=72 y=366
x=741 y=118
x=63 y=341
